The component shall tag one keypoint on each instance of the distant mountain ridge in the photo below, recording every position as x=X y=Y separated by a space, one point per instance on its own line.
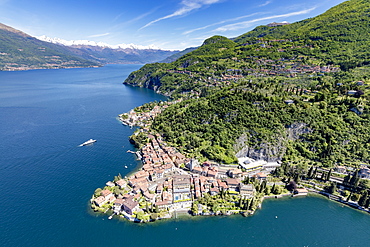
x=20 y=51
x=104 y=53
x=93 y=43
x=177 y=55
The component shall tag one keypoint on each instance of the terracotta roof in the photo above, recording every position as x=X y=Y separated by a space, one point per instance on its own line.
x=118 y=201
x=99 y=200
x=232 y=181
x=181 y=179
x=162 y=203
x=121 y=182
x=106 y=193
x=302 y=190
x=130 y=204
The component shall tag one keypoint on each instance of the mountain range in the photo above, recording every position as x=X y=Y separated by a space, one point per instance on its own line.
x=77 y=43
x=20 y=51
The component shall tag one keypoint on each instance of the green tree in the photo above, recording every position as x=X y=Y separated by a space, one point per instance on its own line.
x=310 y=172
x=367 y=203
x=98 y=192
x=349 y=197
x=355 y=179
x=267 y=191
x=329 y=175
x=355 y=197
x=314 y=173
x=246 y=204
x=273 y=189
x=240 y=202
x=347 y=179
x=116 y=191
x=215 y=207
x=363 y=198
x=322 y=175
x=251 y=204
x=332 y=188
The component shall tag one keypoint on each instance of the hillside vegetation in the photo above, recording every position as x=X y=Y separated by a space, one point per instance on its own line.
x=298 y=92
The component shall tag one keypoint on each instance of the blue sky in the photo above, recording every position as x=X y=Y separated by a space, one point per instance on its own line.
x=168 y=24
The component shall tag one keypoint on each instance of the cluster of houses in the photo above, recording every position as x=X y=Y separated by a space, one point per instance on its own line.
x=265 y=67
x=287 y=67
x=140 y=119
x=363 y=172
x=170 y=182
x=143 y=119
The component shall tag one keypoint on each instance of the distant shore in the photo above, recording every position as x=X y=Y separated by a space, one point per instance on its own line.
x=43 y=68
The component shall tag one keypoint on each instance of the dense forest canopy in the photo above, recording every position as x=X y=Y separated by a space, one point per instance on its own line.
x=253 y=91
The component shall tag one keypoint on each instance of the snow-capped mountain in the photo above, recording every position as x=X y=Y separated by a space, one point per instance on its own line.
x=93 y=43
x=103 y=53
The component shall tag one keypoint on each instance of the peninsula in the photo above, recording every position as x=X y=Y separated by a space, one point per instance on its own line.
x=169 y=183
x=280 y=110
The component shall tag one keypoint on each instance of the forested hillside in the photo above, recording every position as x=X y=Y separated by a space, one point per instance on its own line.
x=292 y=92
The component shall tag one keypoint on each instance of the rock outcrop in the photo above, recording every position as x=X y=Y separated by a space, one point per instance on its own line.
x=271 y=150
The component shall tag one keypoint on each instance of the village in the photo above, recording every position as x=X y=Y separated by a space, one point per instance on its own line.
x=169 y=183
x=260 y=66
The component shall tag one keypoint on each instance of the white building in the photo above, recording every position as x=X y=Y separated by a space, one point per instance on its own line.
x=251 y=165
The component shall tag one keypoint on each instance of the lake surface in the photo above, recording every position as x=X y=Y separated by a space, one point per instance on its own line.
x=46 y=180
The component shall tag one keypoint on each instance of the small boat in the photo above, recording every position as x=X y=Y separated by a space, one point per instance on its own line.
x=87 y=142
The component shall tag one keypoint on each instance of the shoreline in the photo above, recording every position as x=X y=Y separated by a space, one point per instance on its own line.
x=168 y=183
x=42 y=68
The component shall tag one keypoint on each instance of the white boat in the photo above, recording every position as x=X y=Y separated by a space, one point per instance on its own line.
x=87 y=142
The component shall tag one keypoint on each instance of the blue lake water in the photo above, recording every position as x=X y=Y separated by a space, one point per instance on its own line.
x=46 y=180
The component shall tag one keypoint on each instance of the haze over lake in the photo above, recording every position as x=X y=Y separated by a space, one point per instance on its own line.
x=47 y=180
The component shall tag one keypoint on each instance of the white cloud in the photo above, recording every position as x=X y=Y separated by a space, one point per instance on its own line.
x=140 y=16
x=264 y=4
x=98 y=35
x=186 y=7
x=218 y=23
x=245 y=24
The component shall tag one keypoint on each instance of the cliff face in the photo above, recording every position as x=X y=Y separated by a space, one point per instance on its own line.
x=145 y=77
x=271 y=149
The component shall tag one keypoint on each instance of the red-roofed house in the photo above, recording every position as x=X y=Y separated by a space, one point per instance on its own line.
x=130 y=206
x=260 y=176
x=214 y=191
x=99 y=201
x=163 y=204
x=121 y=183
x=232 y=183
x=107 y=194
